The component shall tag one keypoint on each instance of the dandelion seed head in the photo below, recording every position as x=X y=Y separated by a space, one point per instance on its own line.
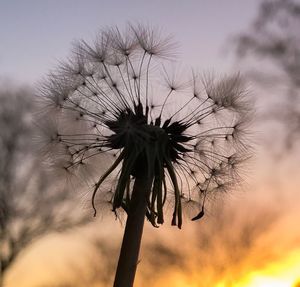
x=111 y=103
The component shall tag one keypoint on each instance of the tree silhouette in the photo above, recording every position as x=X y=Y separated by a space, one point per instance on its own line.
x=274 y=36
x=30 y=204
x=213 y=256
x=100 y=262
x=166 y=134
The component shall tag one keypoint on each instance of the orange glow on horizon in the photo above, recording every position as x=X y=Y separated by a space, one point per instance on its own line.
x=284 y=273
x=272 y=261
x=278 y=274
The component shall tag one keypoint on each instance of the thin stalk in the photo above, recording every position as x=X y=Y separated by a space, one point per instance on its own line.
x=129 y=254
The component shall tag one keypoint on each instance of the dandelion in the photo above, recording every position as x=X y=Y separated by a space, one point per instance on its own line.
x=168 y=138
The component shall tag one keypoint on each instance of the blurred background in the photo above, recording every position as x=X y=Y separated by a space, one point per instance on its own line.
x=249 y=238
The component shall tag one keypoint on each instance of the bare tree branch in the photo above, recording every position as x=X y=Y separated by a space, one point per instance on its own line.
x=31 y=203
x=274 y=38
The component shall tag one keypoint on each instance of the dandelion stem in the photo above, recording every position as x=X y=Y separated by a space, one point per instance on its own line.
x=128 y=259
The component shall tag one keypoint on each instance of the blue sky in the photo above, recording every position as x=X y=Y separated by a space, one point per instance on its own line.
x=35 y=34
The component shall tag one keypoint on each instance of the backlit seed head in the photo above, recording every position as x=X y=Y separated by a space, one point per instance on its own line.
x=186 y=132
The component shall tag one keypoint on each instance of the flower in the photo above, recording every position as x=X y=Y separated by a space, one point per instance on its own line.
x=116 y=98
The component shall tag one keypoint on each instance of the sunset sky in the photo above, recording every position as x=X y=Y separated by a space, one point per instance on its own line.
x=36 y=34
